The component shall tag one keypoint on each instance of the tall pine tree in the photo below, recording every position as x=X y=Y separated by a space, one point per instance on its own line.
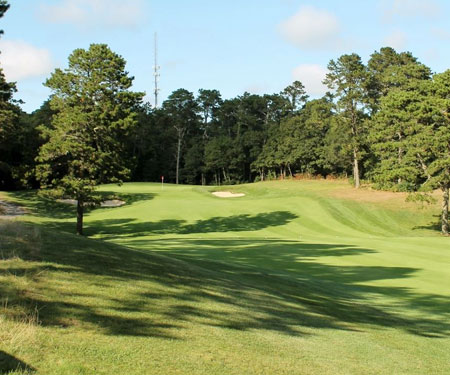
x=439 y=143
x=94 y=112
x=349 y=80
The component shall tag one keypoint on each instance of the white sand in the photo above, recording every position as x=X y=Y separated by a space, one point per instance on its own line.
x=112 y=203
x=227 y=194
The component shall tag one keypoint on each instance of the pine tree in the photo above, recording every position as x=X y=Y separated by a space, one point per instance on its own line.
x=403 y=87
x=181 y=110
x=349 y=79
x=9 y=118
x=439 y=143
x=94 y=112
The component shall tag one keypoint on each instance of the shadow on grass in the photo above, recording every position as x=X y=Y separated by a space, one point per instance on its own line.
x=236 y=223
x=274 y=285
x=9 y=363
x=435 y=225
x=50 y=208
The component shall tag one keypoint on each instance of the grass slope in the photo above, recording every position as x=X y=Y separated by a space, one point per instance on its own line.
x=294 y=278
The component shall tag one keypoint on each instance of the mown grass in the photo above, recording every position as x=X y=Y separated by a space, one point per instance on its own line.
x=289 y=279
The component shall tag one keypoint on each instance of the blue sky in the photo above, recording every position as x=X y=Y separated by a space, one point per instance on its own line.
x=259 y=46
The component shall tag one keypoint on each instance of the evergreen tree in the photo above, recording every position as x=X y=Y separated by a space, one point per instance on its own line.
x=94 y=112
x=296 y=95
x=389 y=70
x=153 y=146
x=439 y=142
x=349 y=79
x=400 y=119
x=404 y=87
x=9 y=123
x=182 y=112
x=209 y=102
x=4 y=6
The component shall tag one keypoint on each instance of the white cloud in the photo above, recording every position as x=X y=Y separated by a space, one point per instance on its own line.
x=397 y=40
x=21 y=60
x=311 y=28
x=311 y=75
x=94 y=13
x=411 y=8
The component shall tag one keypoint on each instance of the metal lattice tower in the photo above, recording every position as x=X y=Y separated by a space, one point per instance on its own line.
x=156 y=74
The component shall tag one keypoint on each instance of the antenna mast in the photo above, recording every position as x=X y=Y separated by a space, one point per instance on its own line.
x=156 y=68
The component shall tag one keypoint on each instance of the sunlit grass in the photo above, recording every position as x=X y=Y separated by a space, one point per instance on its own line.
x=297 y=277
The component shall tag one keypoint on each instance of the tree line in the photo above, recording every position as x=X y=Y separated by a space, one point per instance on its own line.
x=386 y=122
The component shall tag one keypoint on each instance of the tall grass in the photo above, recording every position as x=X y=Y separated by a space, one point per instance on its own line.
x=19 y=321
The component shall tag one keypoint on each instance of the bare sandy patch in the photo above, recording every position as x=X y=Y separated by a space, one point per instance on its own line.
x=387 y=198
x=227 y=194
x=369 y=195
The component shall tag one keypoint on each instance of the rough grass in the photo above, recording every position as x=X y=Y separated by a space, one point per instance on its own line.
x=289 y=279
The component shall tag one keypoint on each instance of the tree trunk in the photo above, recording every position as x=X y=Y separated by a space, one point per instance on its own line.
x=205 y=125
x=424 y=168
x=356 y=168
x=354 y=123
x=290 y=171
x=399 y=157
x=444 y=217
x=178 y=159
x=80 y=211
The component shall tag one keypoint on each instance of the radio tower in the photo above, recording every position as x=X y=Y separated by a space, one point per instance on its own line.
x=156 y=68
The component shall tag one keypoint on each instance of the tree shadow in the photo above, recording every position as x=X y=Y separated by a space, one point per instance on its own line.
x=9 y=363
x=45 y=207
x=128 y=198
x=272 y=285
x=434 y=226
x=237 y=223
x=53 y=209
x=343 y=291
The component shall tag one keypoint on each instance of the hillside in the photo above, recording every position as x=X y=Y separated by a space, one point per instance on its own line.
x=295 y=277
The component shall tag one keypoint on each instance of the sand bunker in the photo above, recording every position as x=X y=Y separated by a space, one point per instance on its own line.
x=227 y=194
x=10 y=210
x=107 y=203
x=112 y=203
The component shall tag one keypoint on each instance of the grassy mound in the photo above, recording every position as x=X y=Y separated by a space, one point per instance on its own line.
x=292 y=278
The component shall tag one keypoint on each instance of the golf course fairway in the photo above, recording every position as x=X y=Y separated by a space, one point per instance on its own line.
x=294 y=277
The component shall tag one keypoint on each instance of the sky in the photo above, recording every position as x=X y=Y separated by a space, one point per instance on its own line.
x=234 y=46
